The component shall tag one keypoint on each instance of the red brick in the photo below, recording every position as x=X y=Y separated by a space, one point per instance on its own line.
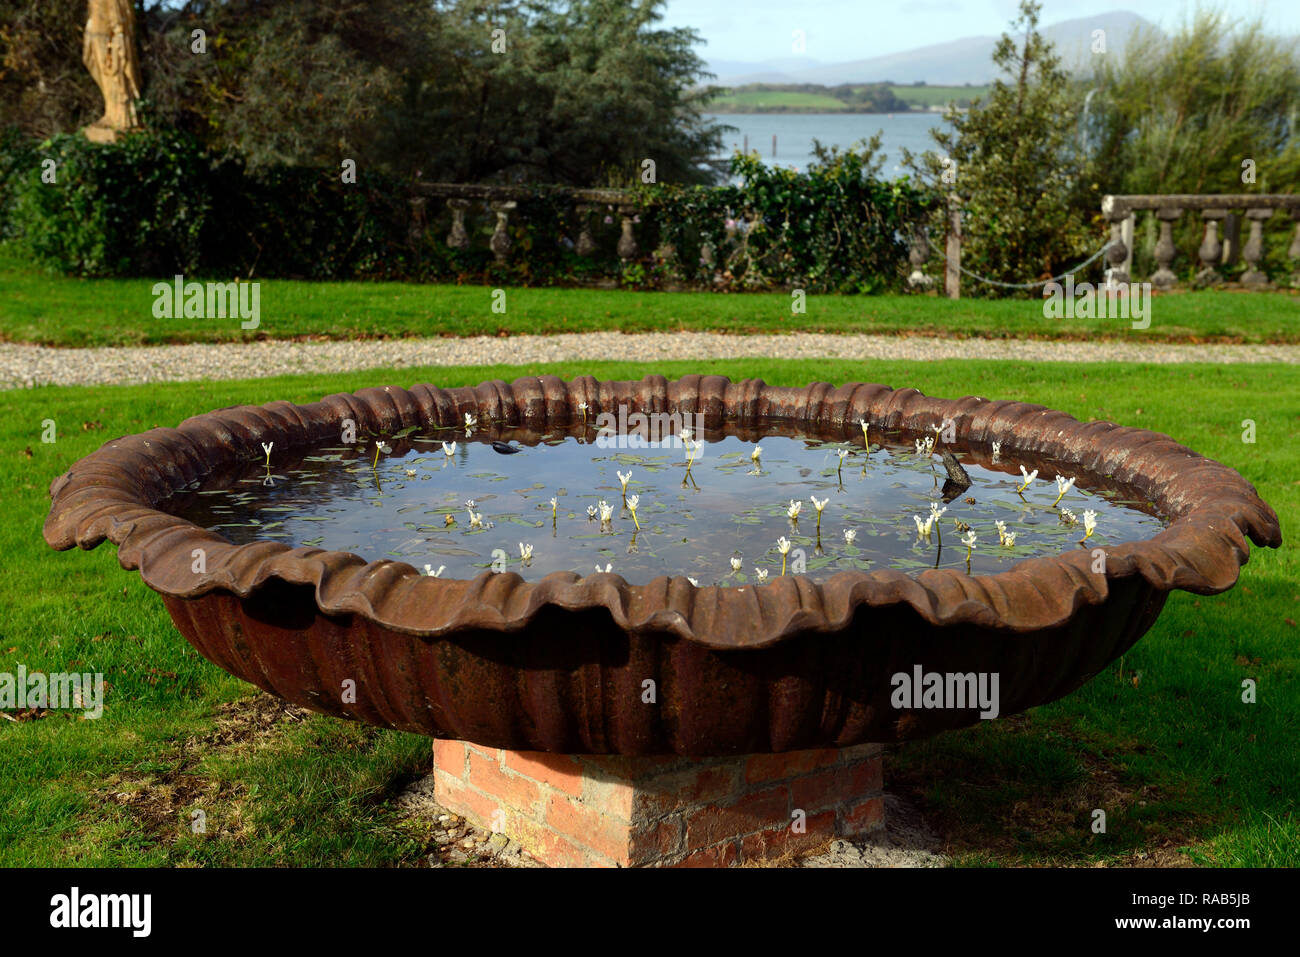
x=858 y=752
x=554 y=850
x=613 y=798
x=657 y=841
x=756 y=812
x=710 y=784
x=867 y=816
x=492 y=754
x=774 y=842
x=836 y=786
x=589 y=829
x=517 y=792
x=449 y=755
x=720 y=855
x=453 y=794
x=781 y=767
x=560 y=771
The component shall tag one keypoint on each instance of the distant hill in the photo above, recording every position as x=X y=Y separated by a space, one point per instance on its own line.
x=969 y=60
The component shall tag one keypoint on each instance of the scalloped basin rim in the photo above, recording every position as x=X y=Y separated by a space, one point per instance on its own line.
x=111 y=494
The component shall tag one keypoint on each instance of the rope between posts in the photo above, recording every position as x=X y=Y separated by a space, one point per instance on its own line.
x=1028 y=285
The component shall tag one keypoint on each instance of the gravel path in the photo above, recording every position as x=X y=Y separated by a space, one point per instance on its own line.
x=26 y=365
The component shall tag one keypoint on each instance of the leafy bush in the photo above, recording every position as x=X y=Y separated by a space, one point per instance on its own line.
x=836 y=227
x=132 y=208
x=155 y=204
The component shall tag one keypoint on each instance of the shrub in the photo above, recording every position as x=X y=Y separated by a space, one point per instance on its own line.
x=132 y=208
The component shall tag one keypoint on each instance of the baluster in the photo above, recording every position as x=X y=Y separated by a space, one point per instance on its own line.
x=1211 y=248
x=627 y=247
x=586 y=245
x=1293 y=253
x=1164 y=277
x=415 y=231
x=458 y=238
x=1253 y=251
x=1117 y=252
x=917 y=254
x=500 y=241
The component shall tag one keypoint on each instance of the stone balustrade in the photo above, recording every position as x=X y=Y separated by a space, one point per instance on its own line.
x=503 y=200
x=1214 y=209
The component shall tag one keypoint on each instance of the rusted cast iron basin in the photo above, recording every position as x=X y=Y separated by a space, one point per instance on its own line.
x=562 y=664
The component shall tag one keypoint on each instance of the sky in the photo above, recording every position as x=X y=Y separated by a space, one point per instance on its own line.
x=839 y=30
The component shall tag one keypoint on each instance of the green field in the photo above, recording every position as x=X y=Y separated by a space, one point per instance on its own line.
x=924 y=97
x=52 y=310
x=1161 y=741
x=757 y=101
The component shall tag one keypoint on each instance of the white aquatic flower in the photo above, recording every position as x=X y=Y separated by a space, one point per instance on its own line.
x=428 y=570
x=783 y=545
x=1089 y=523
x=449 y=449
x=969 y=540
x=843 y=454
x=693 y=581
x=410 y=473
x=470 y=421
x=863 y=423
x=849 y=535
x=475 y=519
x=591 y=511
x=632 y=502
x=1010 y=539
x=1028 y=477
x=758 y=451
x=735 y=563
x=582 y=407
x=818 y=505
x=1002 y=532
x=762 y=574
x=609 y=567
x=685 y=436
x=555 y=503
x=470 y=503
x=794 y=509
x=1063 y=485
x=526 y=552
x=997 y=450
x=923 y=526
x=624 y=479
x=936 y=511
x=266 y=447
x=1067 y=516
x=606 y=511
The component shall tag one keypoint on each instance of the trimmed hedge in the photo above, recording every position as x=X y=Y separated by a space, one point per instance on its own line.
x=155 y=204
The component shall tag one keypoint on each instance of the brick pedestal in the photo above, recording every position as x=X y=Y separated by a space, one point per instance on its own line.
x=596 y=811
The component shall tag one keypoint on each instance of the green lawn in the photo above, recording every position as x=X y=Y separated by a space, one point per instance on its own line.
x=1175 y=759
x=51 y=310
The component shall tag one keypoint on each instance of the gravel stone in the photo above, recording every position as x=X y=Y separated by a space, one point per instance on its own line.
x=26 y=366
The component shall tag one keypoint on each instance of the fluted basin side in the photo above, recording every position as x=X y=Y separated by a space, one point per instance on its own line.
x=561 y=664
